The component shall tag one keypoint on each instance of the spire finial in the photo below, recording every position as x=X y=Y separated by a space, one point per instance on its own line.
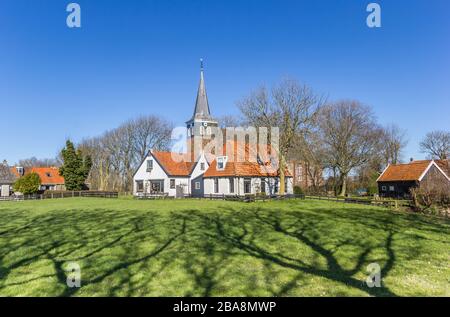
x=201 y=64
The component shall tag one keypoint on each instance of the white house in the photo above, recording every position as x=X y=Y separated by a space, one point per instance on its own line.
x=177 y=175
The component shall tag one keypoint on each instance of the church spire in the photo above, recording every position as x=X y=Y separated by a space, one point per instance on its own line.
x=201 y=110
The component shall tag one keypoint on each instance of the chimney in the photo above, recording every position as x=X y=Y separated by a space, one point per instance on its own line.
x=411 y=159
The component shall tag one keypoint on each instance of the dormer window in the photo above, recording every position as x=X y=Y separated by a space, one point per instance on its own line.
x=149 y=165
x=221 y=163
x=19 y=170
x=48 y=174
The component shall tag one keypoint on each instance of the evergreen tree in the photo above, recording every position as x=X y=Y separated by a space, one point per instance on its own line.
x=75 y=168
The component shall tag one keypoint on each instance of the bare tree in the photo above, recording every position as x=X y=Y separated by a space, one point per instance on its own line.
x=310 y=149
x=393 y=142
x=437 y=145
x=350 y=135
x=151 y=132
x=228 y=121
x=117 y=153
x=290 y=106
x=35 y=162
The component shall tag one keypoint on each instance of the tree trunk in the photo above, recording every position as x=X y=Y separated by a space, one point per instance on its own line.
x=344 y=185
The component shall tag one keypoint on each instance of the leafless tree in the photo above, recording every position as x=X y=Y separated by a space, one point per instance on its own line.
x=117 y=153
x=151 y=132
x=350 y=135
x=290 y=106
x=228 y=121
x=437 y=145
x=393 y=141
x=310 y=149
x=35 y=162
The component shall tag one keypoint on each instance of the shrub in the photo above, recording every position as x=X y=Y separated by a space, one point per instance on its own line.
x=28 y=184
x=431 y=196
x=298 y=190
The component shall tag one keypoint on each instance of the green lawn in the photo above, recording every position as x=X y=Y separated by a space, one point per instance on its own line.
x=216 y=248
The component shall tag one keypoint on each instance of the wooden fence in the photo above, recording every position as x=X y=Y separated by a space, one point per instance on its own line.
x=388 y=203
x=251 y=198
x=62 y=194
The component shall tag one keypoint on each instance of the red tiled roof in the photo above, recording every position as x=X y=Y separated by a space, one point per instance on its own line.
x=248 y=167
x=14 y=171
x=406 y=172
x=179 y=164
x=242 y=169
x=48 y=175
x=173 y=163
x=444 y=165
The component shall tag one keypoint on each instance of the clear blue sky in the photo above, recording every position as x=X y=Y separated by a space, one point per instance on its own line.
x=142 y=57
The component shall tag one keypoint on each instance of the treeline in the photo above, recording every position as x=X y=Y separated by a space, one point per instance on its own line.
x=343 y=138
x=117 y=153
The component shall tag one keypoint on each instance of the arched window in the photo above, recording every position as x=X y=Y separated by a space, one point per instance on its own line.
x=208 y=131
x=202 y=130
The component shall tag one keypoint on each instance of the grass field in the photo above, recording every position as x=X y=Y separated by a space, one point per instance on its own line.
x=217 y=248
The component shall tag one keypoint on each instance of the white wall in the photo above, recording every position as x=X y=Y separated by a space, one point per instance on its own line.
x=224 y=186
x=158 y=173
x=197 y=171
x=4 y=190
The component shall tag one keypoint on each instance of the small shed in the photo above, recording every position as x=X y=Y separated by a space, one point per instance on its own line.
x=397 y=180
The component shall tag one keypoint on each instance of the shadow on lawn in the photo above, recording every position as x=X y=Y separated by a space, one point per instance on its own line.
x=234 y=231
x=117 y=245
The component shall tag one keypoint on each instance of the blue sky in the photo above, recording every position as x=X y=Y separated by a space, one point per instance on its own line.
x=142 y=57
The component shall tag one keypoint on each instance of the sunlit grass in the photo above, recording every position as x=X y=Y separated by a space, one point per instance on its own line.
x=216 y=248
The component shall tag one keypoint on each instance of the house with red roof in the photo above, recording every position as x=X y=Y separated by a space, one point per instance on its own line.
x=398 y=179
x=50 y=178
x=240 y=171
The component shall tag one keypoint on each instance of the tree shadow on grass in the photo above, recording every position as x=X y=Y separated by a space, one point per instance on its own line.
x=237 y=234
x=116 y=246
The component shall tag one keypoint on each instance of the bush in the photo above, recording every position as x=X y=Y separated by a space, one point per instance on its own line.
x=298 y=190
x=28 y=184
x=431 y=196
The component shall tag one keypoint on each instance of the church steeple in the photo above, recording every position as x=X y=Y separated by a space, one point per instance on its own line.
x=200 y=128
x=201 y=110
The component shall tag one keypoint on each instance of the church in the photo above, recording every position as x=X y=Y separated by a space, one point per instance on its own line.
x=205 y=172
